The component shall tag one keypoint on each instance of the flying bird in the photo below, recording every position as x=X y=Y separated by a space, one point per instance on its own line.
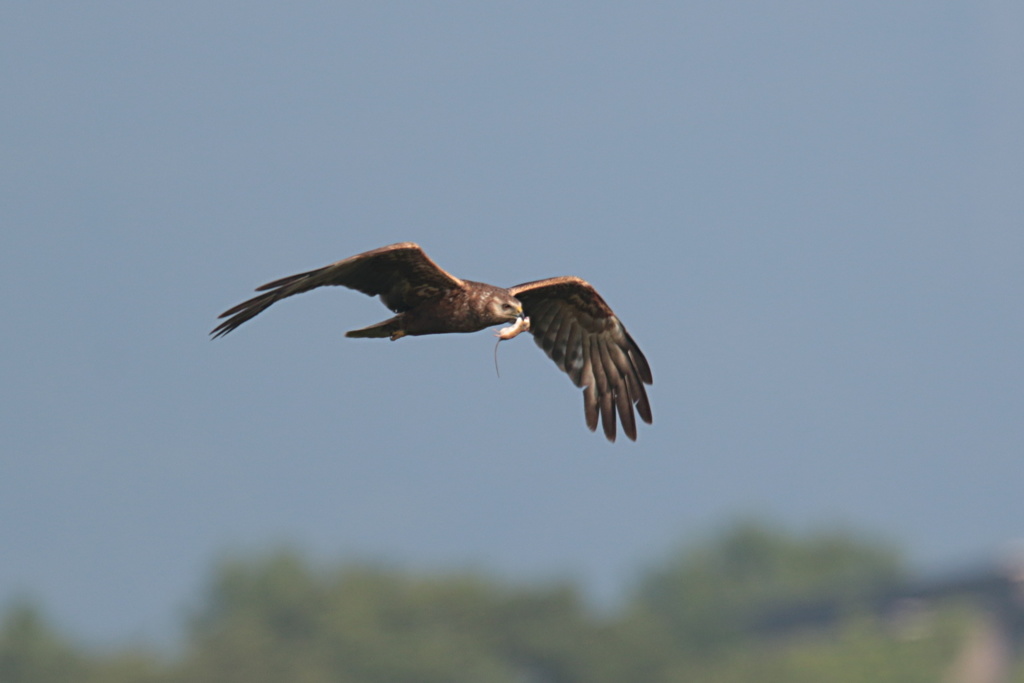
x=567 y=317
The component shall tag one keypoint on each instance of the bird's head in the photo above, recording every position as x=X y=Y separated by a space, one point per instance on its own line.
x=505 y=308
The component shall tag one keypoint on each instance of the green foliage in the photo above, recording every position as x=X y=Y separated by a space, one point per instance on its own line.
x=708 y=595
x=279 y=618
x=31 y=651
x=864 y=650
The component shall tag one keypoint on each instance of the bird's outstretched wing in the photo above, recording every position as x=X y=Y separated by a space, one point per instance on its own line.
x=402 y=274
x=578 y=330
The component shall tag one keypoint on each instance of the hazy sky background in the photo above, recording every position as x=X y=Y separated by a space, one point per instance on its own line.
x=809 y=215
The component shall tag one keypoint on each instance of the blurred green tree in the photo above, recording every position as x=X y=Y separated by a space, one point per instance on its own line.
x=708 y=594
x=282 y=618
x=30 y=651
x=277 y=619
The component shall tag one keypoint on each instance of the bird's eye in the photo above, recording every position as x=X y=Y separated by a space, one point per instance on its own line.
x=507 y=307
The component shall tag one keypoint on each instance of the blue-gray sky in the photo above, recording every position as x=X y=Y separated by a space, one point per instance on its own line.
x=809 y=215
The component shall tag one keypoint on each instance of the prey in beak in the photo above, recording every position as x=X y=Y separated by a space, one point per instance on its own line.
x=522 y=324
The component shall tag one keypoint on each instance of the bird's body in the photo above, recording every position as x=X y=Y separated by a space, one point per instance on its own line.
x=567 y=317
x=451 y=310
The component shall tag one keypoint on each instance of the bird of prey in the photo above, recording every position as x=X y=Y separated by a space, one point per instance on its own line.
x=567 y=317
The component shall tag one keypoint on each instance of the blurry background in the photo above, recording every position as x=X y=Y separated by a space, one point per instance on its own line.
x=810 y=217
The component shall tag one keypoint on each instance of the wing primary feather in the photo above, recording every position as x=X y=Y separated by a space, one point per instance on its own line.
x=643 y=372
x=643 y=407
x=643 y=369
x=285 y=281
x=590 y=407
x=589 y=396
x=604 y=392
x=621 y=360
x=633 y=384
x=620 y=387
x=244 y=311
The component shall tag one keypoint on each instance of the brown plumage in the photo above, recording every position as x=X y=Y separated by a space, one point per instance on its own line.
x=566 y=316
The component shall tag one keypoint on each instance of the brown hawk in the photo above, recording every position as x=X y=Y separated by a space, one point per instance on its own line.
x=566 y=316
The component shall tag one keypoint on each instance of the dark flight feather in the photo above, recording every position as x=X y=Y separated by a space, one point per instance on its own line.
x=581 y=334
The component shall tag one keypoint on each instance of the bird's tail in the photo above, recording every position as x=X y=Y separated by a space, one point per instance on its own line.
x=392 y=327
